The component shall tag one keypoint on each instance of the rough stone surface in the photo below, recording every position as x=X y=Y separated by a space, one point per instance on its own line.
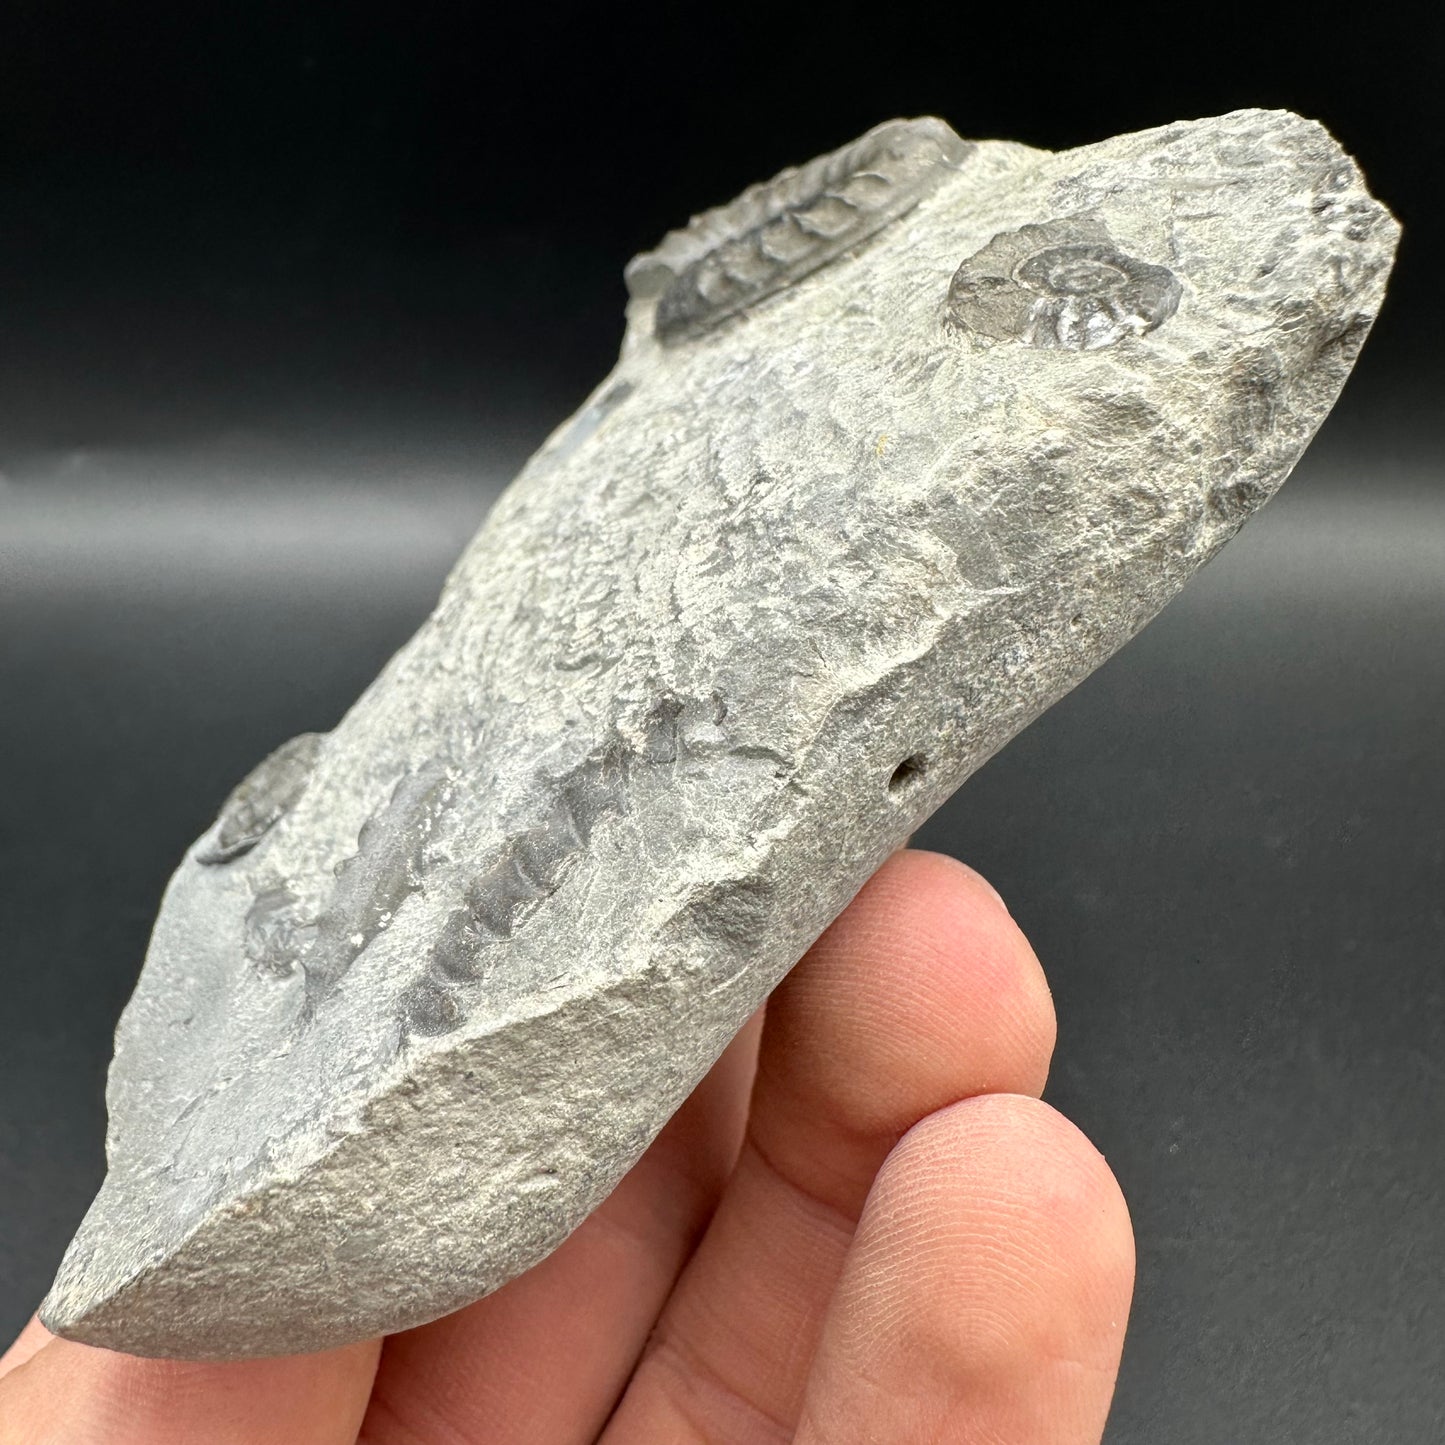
x=899 y=447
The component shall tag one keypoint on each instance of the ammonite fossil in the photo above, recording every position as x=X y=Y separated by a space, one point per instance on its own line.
x=262 y=798
x=780 y=230
x=1063 y=285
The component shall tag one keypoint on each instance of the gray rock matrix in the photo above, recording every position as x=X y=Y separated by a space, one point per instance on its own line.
x=899 y=447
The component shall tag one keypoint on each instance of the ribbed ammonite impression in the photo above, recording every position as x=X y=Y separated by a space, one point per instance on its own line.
x=1063 y=285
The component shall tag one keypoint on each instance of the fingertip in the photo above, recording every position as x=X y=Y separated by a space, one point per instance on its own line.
x=947 y=864
x=1018 y=1167
x=957 y=921
x=922 y=992
x=990 y=1279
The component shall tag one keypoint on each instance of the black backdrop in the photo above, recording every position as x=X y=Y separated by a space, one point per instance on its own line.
x=223 y=215
x=287 y=291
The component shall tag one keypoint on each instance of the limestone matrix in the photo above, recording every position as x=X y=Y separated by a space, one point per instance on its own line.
x=899 y=447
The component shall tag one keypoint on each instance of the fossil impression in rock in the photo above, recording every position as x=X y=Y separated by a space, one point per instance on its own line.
x=899 y=447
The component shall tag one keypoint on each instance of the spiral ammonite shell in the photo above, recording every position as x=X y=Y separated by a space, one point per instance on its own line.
x=1063 y=285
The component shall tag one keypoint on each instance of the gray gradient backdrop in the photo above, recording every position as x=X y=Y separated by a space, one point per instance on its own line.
x=240 y=445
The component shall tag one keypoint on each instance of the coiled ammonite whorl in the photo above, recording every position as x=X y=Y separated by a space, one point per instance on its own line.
x=1062 y=285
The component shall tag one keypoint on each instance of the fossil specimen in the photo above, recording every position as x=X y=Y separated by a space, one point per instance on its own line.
x=1061 y=284
x=778 y=231
x=899 y=447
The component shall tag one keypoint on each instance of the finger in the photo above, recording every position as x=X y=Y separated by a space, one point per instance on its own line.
x=922 y=993
x=30 y=1339
x=987 y=1290
x=72 y=1394
x=545 y=1358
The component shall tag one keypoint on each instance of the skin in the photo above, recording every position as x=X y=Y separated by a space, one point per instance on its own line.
x=864 y=1226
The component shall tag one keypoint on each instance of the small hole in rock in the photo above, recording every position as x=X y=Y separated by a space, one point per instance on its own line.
x=907 y=773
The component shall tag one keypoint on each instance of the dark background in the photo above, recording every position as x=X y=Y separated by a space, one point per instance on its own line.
x=287 y=291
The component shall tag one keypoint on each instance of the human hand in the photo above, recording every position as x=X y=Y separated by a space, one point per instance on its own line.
x=862 y=1227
